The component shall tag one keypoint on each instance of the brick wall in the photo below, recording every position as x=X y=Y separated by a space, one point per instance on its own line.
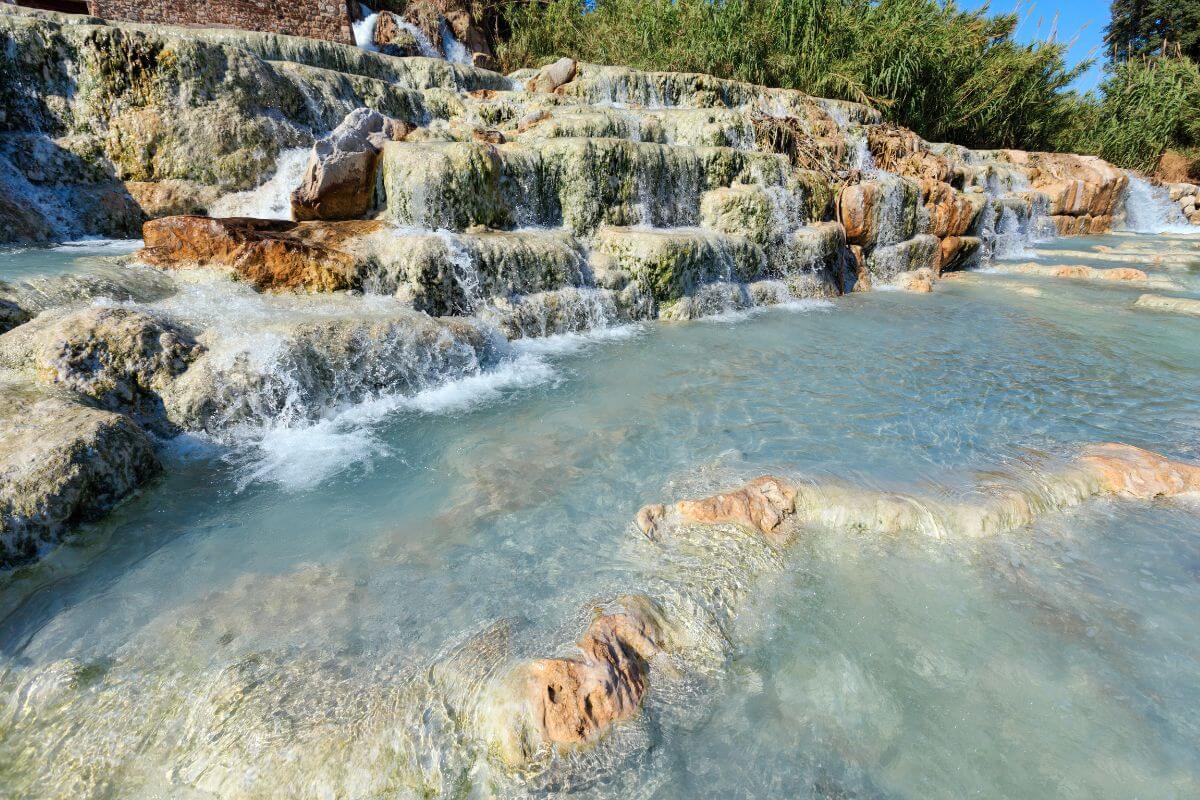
x=316 y=19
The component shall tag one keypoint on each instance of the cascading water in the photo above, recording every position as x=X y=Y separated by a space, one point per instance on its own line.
x=1148 y=209
x=273 y=199
x=364 y=35
x=364 y=29
x=456 y=52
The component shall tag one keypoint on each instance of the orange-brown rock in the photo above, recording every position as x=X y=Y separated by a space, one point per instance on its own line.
x=951 y=213
x=1078 y=186
x=856 y=211
x=1082 y=272
x=1133 y=472
x=575 y=700
x=903 y=152
x=955 y=252
x=271 y=254
x=761 y=505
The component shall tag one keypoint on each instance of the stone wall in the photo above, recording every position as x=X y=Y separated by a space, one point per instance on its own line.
x=316 y=19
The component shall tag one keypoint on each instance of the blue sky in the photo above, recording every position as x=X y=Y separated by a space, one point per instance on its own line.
x=1080 y=20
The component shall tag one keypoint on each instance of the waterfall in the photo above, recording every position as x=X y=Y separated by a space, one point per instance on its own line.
x=364 y=29
x=456 y=52
x=364 y=36
x=272 y=199
x=1148 y=209
x=463 y=269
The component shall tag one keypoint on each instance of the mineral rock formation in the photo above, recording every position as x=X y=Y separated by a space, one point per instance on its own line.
x=552 y=77
x=763 y=505
x=1174 y=305
x=392 y=39
x=339 y=182
x=1081 y=272
x=270 y=254
x=575 y=700
x=1132 y=472
x=61 y=463
x=120 y=358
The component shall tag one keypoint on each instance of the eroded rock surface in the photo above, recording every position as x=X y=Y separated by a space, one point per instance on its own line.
x=270 y=254
x=339 y=182
x=62 y=463
x=575 y=700
x=120 y=358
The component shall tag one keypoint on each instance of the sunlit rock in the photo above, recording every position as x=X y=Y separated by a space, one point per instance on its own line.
x=339 y=182
x=120 y=358
x=1133 y=472
x=668 y=264
x=550 y=78
x=575 y=700
x=270 y=254
x=62 y=463
x=763 y=505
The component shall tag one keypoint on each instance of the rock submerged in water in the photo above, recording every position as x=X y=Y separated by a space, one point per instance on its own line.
x=765 y=504
x=1174 y=305
x=761 y=505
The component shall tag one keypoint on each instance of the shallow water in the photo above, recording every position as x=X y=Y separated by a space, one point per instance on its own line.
x=20 y=263
x=244 y=630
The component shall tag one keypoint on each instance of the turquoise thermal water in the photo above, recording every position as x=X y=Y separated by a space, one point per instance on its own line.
x=307 y=613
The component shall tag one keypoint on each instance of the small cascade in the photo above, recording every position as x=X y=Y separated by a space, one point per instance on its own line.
x=464 y=271
x=861 y=157
x=456 y=52
x=273 y=199
x=364 y=29
x=1148 y=209
x=1010 y=238
x=364 y=36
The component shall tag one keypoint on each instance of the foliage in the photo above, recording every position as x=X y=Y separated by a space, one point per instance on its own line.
x=1148 y=105
x=1154 y=27
x=947 y=73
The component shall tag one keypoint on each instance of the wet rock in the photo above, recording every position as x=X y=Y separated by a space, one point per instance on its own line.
x=339 y=182
x=62 y=463
x=300 y=369
x=761 y=505
x=669 y=264
x=919 y=281
x=957 y=252
x=574 y=701
x=120 y=358
x=1133 y=472
x=270 y=254
x=551 y=77
x=393 y=39
x=1081 y=272
x=1174 y=305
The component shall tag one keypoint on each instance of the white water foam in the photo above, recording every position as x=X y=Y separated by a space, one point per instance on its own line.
x=300 y=455
x=1148 y=209
x=100 y=246
x=364 y=30
x=273 y=199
